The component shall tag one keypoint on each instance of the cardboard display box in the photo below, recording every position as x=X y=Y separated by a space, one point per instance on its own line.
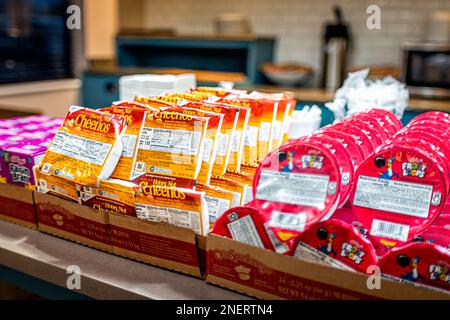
x=72 y=221
x=158 y=244
x=268 y=275
x=17 y=205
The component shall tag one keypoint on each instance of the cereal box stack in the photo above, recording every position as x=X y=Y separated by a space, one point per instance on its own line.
x=23 y=142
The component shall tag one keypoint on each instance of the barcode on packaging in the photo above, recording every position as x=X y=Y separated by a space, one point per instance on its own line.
x=280 y=247
x=390 y=230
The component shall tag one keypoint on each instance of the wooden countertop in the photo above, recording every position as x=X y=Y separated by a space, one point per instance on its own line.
x=103 y=276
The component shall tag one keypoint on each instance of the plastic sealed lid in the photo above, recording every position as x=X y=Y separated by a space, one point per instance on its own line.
x=385 y=122
x=362 y=138
x=419 y=262
x=367 y=128
x=399 y=191
x=296 y=186
x=432 y=115
x=431 y=138
x=380 y=130
x=344 y=162
x=388 y=116
x=431 y=123
x=350 y=142
x=246 y=225
x=341 y=241
x=435 y=234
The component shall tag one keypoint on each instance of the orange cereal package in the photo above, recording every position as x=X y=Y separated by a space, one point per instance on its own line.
x=238 y=140
x=217 y=199
x=218 y=92
x=158 y=102
x=135 y=116
x=86 y=148
x=292 y=105
x=230 y=120
x=176 y=206
x=56 y=186
x=112 y=195
x=211 y=141
x=171 y=144
x=235 y=187
x=246 y=180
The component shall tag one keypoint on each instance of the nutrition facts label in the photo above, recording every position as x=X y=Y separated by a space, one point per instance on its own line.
x=251 y=136
x=305 y=252
x=180 y=218
x=407 y=198
x=236 y=141
x=244 y=230
x=207 y=147
x=264 y=131
x=294 y=188
x=223 y=144
x=80 y=148
x=216 y=207
x=129 y=142
x=173 y=141
x=277 y=130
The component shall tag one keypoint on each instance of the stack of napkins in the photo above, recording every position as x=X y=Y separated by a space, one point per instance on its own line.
x=154 y=84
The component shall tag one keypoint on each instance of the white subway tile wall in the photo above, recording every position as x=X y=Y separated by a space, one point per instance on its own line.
x=298 y=24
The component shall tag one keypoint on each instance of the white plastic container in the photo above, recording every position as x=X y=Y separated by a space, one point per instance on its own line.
x=304 y=122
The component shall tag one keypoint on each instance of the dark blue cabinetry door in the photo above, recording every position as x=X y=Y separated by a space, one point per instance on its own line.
x=99 y=90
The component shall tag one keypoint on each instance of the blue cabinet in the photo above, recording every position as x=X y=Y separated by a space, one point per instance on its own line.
x=244 y=54
x=99 y=90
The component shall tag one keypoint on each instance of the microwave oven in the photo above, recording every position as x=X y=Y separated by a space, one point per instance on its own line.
x=426 y=69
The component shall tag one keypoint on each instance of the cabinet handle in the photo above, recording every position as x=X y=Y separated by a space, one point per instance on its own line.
x=111 y=87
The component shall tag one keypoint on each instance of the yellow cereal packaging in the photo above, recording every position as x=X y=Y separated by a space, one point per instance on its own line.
x=112 y=195
x=135 y=116
x=246 y=180
x=292 y=103
x=211 y=141
x=158 y=102
x=176 y=206
x=171 y=144
x=230 y=120
x=235 y=187
x=217 y=199
x=86 y=148
x=56 y=186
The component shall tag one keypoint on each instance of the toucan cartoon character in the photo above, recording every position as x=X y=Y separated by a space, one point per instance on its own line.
x=326 y=242
x=389 y=173
x=286 y=160
x=413 y=273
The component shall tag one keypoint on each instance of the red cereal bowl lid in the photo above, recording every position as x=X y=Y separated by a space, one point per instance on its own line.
x=440 y=146
x=431 y=123
x=438 y=131
x=364 y=140
x=419 y=262
x=380 y=130
x=344 y=162
x=246 y=225
x=385 y=122
x=340 y=241
x=368 y=130
x=433 y=115
x=349 y=141
x=435 y=234
x=296 y=186
x=398 y=193
x=388 y=116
